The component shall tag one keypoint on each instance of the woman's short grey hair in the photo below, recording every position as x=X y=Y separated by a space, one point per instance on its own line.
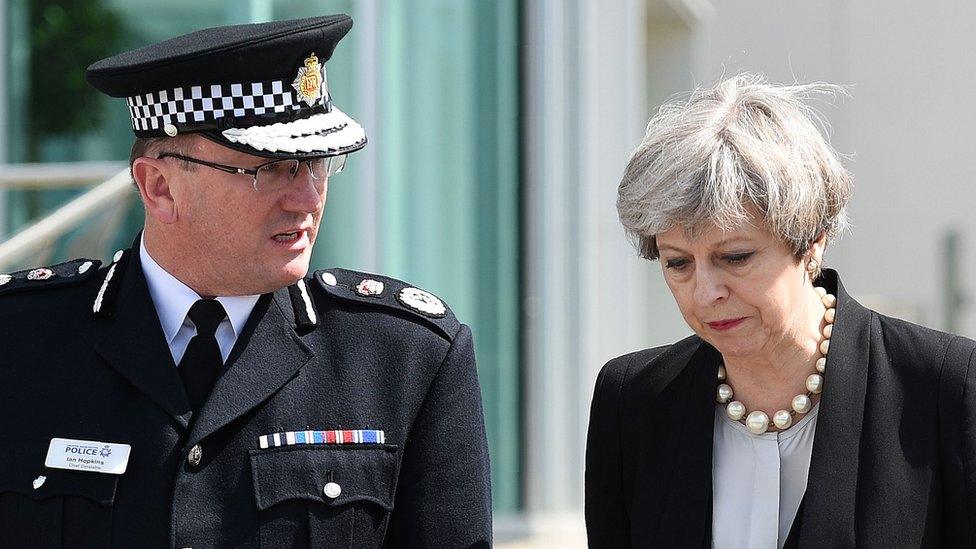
x=742 y=146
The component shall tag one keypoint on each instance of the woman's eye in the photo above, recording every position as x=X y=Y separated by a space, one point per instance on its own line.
x=737 y=259
x=676 y=264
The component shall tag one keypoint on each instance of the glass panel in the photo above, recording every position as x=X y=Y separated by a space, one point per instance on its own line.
x=448 y=156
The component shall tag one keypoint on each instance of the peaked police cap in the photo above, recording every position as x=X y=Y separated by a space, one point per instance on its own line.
x=258 y=88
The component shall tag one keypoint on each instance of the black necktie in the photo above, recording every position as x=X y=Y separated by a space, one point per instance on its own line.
x=202 y=362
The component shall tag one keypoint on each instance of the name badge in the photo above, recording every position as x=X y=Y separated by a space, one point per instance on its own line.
x=87 y=455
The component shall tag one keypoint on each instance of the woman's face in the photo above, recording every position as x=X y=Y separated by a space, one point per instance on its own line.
x=743 y=291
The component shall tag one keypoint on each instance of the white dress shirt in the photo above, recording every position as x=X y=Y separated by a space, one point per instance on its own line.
x=758 y=481
x=173 y=300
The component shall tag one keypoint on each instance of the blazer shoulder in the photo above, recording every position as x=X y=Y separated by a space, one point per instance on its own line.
x=926 y=348
x=617 y=369
x=654 y=364
x=395 y=297
x=69 y=273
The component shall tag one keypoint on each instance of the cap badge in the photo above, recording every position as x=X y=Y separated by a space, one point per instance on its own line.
x=369 y=288
x=308 y=83
x=423 y=302
x=5 y=279
x=40 y=274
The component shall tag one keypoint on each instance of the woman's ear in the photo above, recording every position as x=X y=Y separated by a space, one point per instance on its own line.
x=817 y=248
x=153 y=177
x=813 y=258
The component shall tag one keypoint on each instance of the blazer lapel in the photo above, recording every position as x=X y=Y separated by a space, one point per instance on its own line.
x=674 y=483
x=828 y=512
x=135 y=346
x=267 y=355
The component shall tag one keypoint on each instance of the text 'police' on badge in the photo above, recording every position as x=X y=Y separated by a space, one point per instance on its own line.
x=87 y=455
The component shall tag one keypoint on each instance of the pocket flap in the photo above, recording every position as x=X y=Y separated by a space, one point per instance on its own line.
x=362 y=473
x=22 y=463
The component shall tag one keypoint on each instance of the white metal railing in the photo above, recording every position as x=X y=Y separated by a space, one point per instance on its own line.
x=33 y=244
x=56 y=175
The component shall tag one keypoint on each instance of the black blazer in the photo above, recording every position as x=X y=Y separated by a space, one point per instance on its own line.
x=894 y=456
x=349 y=362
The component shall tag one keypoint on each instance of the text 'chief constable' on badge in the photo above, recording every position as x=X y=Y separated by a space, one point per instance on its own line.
x=203 y=389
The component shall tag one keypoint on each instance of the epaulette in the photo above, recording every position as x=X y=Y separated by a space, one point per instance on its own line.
x=62 y=274
x=389 y=292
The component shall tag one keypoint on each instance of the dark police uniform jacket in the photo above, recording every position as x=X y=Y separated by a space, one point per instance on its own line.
x=339 y=360
x=894 y=454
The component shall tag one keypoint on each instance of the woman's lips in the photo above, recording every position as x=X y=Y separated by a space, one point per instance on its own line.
x=722 y=325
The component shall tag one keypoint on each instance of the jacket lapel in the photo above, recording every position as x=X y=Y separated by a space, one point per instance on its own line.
x=135 y=346
x=267 y=355
x=828 y=513
x=674 y=482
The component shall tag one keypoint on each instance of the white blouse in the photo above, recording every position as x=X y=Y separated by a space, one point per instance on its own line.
x=758 y=481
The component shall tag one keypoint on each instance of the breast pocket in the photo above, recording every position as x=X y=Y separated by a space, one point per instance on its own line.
x=324 y=495
x=45 y=508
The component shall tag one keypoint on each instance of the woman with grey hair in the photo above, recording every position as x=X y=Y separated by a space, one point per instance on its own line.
x=794 y=416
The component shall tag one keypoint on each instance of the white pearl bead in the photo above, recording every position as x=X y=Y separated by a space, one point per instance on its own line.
x=829 y=315
x=801 y=404
x=821 y=364
x=821 y=291
x=724 y=393
x=829 y=300
x=828 y=330
x=721 y=372
x=735 y=410
x=824 y=346
x=757 y=422
x=782 y=419
x=815 y=383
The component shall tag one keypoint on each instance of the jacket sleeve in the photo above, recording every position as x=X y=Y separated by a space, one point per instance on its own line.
x=443 y=497
x=607 y=523
x=957 y=436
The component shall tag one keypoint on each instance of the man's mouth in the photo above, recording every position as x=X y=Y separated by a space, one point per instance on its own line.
x=288 y=237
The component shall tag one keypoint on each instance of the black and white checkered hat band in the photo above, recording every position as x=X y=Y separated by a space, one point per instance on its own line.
x=194 y=107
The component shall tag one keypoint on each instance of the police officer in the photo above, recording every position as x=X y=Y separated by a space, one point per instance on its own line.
x=203 y=389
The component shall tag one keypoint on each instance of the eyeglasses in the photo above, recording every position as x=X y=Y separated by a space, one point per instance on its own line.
x=277 y=174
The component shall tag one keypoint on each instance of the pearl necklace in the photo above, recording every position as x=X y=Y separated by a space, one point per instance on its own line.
x=757 y=421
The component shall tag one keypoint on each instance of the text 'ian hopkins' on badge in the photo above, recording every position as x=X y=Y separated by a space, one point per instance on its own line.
x=87 y=455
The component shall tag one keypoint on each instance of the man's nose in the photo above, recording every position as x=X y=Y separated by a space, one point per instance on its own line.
x=305 y=193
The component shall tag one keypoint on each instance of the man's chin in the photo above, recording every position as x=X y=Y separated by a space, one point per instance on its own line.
x=294 y=271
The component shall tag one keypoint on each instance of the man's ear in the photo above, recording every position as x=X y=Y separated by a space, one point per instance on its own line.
x=153 y=177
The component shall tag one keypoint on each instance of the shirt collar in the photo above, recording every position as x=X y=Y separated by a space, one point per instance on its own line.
x=173 y=298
